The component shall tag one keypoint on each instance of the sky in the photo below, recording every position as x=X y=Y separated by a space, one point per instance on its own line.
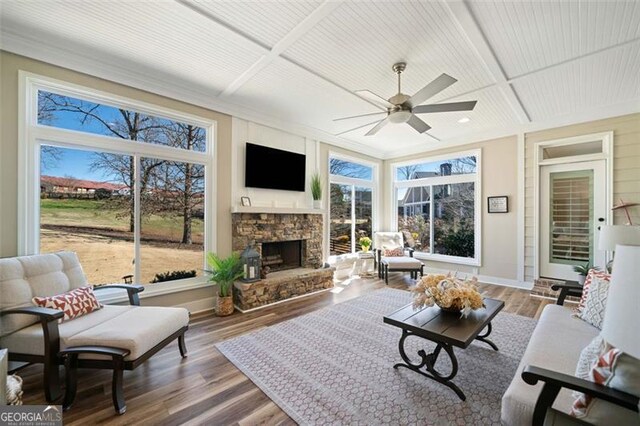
x=73 y=163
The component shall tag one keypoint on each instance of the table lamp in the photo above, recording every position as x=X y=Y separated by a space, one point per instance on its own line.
x=612 y=235
x=621 y=318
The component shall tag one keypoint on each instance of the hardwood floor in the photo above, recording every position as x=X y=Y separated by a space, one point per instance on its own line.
x=205 y=388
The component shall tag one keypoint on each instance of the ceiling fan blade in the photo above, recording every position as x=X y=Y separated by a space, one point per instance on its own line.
x=358 y=116
x=451 y=106
x=419 y=125
x=356 y=128
x=377 y=127
x=430 y=90
x=375 y=99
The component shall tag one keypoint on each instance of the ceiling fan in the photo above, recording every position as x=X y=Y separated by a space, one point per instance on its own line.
x=401 y=108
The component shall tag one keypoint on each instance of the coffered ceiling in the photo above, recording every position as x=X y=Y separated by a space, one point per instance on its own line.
x=297 y=64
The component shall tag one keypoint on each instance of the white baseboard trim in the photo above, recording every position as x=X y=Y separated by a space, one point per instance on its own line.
x=505 y=282
x=200 y=305
x=282 y=301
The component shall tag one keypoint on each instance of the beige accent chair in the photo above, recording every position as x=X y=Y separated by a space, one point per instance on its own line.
x=113 y=337
x=407 y=263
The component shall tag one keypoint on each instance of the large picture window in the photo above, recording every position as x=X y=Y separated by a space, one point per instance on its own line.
x=122 y=185
x=351 y=195
x=437 y=207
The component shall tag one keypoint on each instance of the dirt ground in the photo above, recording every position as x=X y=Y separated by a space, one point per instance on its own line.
x=106 y=259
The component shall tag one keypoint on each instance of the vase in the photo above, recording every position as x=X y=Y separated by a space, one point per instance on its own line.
x=365 y=249
x=317 y=204
x=224 y=306
x=451 y=309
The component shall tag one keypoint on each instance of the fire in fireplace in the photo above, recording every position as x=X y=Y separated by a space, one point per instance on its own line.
x=281 y=255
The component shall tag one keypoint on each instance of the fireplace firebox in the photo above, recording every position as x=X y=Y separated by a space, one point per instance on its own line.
x=281 y=255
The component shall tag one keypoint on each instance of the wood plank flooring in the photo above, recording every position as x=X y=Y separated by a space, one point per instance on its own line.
x=205 y=388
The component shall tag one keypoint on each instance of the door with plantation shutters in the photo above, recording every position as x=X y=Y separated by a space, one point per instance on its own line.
x=572 y=206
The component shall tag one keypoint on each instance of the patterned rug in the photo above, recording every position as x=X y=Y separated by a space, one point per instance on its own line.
x=334 y=366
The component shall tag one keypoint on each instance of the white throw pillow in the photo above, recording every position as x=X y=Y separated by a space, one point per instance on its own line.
x=588 y=358
x=596 y=302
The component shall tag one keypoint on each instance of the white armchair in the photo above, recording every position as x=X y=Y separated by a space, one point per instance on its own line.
x=393 y=240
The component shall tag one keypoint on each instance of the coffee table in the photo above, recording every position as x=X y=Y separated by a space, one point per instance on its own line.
x=446 y=329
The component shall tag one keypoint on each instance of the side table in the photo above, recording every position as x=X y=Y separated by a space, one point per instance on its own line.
x=364 y=265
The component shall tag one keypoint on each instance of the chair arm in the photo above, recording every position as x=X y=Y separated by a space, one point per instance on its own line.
x=132 y=291
x=411 y=250
x=557 y=287
x=99 y=350
x=554 y=381
x=44 y=314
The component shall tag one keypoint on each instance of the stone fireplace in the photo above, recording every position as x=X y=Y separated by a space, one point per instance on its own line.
x=290 y=244
x=260 y=229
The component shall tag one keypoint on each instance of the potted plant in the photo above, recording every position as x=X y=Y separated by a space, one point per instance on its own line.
x=582 y=271
x=316 y=191
x=365 y=243
x=224 y=272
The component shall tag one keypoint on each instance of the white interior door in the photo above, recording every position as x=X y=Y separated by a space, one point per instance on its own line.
x=572 y=207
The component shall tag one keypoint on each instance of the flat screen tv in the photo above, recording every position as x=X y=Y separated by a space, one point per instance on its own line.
x=274 y=168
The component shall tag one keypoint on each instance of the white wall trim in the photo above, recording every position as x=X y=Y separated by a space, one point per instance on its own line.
x=521 y=226
x=538 y=162
x=486 y=279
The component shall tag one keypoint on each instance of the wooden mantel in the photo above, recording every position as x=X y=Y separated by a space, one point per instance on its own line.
x=275 y=210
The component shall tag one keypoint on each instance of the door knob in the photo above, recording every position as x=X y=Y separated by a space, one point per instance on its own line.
x=601 y=219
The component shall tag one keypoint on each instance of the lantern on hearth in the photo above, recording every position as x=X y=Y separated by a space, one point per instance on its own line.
x=250 y=259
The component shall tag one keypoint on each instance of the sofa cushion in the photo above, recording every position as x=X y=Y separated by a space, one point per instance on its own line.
x=25 y=277
x=404 y=262
x=138 y=329
x=392 y=251
x=593 y=273
x=74 y=303
x=555 y=344
x=595 y=303
x=29 y=340
x=129 y=327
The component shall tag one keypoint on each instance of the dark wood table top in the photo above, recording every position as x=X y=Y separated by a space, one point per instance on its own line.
x=436 y=325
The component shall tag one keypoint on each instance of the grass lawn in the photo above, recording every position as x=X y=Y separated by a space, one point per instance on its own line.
x=100 y=235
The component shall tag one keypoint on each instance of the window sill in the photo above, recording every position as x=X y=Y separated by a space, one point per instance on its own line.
x=446 y=259
x=152 y=290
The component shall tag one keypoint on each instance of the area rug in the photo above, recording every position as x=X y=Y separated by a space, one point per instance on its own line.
x=335 y=366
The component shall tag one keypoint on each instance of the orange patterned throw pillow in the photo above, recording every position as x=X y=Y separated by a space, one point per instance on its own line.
x=393 y=252
x=73 y=303
x=593 y=273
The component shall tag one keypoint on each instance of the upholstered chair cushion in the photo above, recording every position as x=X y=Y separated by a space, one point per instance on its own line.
x=387 y=239
x=23 y=278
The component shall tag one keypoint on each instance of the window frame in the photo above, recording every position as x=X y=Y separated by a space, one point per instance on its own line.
x=353 y=182
x=475 y=178
x=34 y=135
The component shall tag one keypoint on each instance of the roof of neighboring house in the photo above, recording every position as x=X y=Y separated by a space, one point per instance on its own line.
x=79 y=183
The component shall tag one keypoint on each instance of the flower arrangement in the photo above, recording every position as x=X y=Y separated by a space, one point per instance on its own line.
x=365 y=243
x=449 y=292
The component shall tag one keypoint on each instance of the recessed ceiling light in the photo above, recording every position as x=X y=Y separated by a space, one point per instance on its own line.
x=464 y=120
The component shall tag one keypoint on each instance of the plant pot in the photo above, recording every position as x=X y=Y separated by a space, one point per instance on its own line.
x=365 y=249
x=581 y=279
x=224 y=306
x=317 y=204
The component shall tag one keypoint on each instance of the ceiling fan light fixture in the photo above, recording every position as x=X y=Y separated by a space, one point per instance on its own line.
x=464 y=120
x=400 y=117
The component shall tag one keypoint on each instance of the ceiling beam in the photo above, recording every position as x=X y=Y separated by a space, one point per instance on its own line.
x=289 y=39
x=469 y=27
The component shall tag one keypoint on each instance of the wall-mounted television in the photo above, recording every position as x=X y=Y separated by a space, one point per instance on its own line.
x=274 y=168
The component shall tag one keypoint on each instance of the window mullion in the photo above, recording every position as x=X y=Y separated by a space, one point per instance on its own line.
x=137 y=224
x=431 y=221
x=353 y=218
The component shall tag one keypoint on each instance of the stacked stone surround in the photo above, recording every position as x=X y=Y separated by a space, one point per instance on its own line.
x=257 y=228
x=542 y=288
x=281 y=285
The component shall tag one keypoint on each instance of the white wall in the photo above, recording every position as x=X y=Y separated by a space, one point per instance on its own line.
x=244 y=131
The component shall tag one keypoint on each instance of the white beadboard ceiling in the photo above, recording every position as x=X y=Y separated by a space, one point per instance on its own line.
x=296 y=64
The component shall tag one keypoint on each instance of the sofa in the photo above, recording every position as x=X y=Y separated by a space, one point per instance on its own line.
x=555 y=345
x=112 y=337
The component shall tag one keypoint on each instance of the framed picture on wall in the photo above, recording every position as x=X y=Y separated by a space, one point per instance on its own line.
x=498 y=204
x=245 y=201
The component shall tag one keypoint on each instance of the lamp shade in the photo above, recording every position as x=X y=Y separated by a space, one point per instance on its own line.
x=611 y=235
x=621 y=326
